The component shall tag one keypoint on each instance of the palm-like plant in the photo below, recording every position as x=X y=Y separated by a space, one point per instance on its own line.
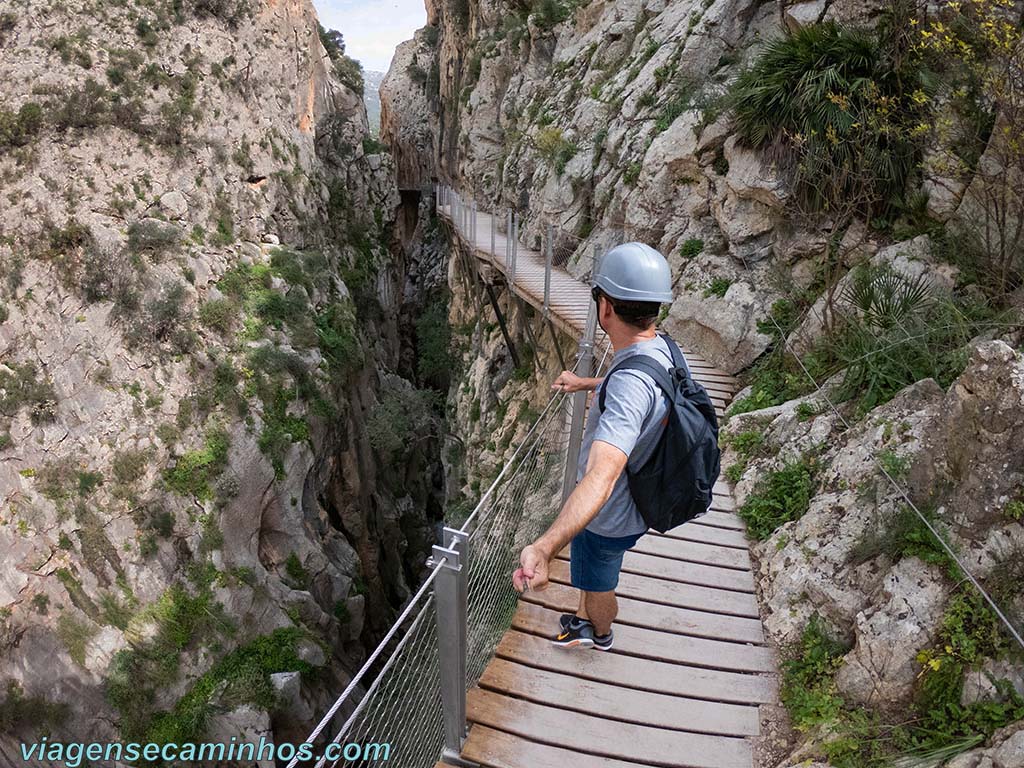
x=885 y=297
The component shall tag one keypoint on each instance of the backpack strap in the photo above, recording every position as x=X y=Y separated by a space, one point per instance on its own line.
x=677 y=354
x=647 y=365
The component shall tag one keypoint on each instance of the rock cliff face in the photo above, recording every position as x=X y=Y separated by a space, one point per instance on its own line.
x=202 y=349
x=604 y=120
x=608 y=120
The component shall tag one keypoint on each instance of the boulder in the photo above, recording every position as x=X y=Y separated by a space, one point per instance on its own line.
x=247 y=724
x=903 y=619
x=801 y=15
x=722 y=328
x=752 y=204
x=1004 y=750
x=174 y=204
x=980 y=684
x=973 y=450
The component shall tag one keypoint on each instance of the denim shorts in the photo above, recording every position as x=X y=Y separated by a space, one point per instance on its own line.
x=595 y=560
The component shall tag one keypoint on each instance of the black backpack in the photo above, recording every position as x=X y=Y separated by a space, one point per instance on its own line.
x=675 y=484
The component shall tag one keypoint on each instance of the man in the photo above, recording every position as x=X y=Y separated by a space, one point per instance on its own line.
x=599 y=518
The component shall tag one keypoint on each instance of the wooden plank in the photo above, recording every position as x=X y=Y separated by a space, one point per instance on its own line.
x=640 y=673
x=595 y=735
x=614 y=702
x=497 y=749
x=694 y=552
x=725 y=503
x=682 y=571
x=692 y=531
x=654 y=590
x=640 y=613
x=661 y=646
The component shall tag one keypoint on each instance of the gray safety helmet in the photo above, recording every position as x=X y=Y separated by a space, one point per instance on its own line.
x=634 y=272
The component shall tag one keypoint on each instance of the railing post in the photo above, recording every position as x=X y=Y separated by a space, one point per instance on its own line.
x=508 y=241
x=548 y=257
x=450 y=601
x=579 y=403
x=515 y=245
x=493 y=253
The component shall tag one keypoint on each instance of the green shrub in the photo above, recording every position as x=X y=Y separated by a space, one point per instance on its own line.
x=632 y=173
x=129 y=465
x=970 y=633
x=296 y=572
x=434 y=359
x=76 y=635
x=19 y=128
x=25 y=386
x=719 y=286
x=747 y=445
x=549 y=13
x=163 y=320
x=218 y=314
x=779 y=497
x=809 y=690
x=280 y=429
x=194 y=471
x=224 y=223
x=178 y=619
x=841 y=99
x=350 y=73
x=903 y=534
x=680 y=99
x=878 y=362
x=240 y=677
x=232 y=12
x=153 y=237
x=554 y=147
x=805 y=411
x=691 y=248
x=8 y=21
x=339 y=340
x=400 y=421
x=21 y=713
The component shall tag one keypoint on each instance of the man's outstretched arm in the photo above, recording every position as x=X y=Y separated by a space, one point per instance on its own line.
x=604 y=466
x=568 y=381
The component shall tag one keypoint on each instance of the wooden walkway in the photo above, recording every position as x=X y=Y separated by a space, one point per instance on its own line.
x=690 y=666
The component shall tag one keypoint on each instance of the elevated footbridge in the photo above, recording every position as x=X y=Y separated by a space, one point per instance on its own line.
x=466 y=676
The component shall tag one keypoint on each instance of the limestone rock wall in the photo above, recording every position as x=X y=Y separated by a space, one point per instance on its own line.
x=200 y=323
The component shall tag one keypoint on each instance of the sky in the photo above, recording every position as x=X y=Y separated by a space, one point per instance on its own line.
x=372 y=28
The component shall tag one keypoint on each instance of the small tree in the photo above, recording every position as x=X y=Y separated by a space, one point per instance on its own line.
x=979 y=46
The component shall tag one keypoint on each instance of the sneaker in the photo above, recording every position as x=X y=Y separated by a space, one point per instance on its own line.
x=565 y=619
x=579 y=633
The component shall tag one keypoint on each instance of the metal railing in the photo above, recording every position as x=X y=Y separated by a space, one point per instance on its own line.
x=410 y=694
x=465 y=217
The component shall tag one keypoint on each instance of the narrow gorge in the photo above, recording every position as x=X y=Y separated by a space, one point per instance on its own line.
x=247 y=372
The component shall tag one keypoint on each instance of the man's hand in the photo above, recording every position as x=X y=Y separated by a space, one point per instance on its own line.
x=533 y=571
x=570 y=382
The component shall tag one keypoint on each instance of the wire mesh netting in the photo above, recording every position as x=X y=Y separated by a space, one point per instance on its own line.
x=515 y=515
x=402 y=705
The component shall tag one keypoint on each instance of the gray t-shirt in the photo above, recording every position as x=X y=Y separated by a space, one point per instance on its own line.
x=631 y=421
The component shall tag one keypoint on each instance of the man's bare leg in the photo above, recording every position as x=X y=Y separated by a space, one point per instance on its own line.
x=601 y=608
x=581 y=612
